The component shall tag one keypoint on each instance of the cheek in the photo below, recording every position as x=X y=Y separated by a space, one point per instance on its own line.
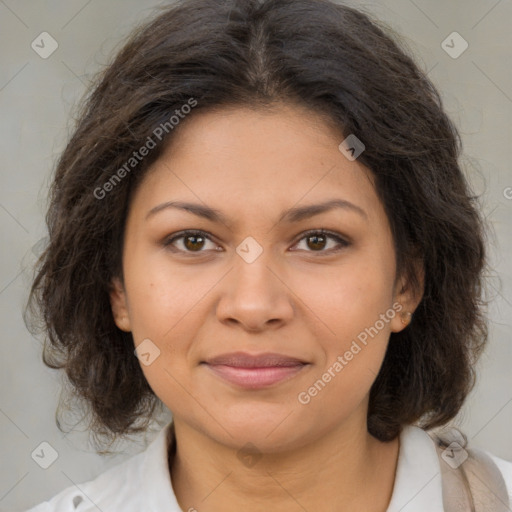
x=163 y=306
x=355 y=303
x=350 y=297
x=353 y=356
x=161 y=295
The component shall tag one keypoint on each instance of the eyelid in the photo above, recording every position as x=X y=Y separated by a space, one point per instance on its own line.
x=342 y=241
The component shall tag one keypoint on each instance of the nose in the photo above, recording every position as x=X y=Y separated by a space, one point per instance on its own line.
x=255 y=296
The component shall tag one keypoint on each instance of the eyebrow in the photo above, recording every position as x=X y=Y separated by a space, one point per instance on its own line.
x=295 y=214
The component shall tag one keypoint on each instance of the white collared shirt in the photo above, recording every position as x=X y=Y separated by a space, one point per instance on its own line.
x=143 y=482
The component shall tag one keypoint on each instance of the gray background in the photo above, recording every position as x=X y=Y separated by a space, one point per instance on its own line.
x=36 y=100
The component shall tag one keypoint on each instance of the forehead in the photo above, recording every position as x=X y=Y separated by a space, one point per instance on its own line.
x=243 y=160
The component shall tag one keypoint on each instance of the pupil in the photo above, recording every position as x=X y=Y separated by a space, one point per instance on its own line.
x=316 y=238
x=195 y=238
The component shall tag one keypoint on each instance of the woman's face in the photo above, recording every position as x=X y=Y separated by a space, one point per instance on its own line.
x=254 y=282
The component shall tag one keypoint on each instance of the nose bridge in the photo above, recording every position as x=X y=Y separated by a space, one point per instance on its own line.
x=252 y=275
x=254 y=272
x=254 y=294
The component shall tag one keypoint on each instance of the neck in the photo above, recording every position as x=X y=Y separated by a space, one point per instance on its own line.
x=344 y=470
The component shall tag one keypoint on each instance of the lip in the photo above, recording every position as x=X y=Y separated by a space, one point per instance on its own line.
x=245 y=360
x=254 y=371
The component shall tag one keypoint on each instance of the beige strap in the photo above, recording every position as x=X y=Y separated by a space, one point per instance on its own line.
x=471 y=480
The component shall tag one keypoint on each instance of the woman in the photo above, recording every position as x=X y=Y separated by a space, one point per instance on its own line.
x=263 y=199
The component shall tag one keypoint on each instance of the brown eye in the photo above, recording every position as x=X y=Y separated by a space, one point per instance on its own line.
x=316 y=242
x=189 y=242
x=193 y=242
x=319 y=241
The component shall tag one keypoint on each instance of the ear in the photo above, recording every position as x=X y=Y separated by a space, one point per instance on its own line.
x=408 y=296
x=119 y=305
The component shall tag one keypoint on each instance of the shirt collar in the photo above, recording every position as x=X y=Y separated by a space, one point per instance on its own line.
x=418 y=484
x=156 y=478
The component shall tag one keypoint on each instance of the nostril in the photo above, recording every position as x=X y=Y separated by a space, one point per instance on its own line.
x=77 y=500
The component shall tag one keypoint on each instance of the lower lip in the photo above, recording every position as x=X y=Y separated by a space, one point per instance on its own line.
x=255 y=378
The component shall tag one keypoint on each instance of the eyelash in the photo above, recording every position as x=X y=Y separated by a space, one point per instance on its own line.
x=329 y=234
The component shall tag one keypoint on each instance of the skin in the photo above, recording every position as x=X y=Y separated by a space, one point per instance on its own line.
x=300 y=298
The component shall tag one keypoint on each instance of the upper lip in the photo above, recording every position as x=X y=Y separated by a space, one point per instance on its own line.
x=244 y=360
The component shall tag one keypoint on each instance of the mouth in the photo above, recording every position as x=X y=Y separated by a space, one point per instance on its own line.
x=255 y=371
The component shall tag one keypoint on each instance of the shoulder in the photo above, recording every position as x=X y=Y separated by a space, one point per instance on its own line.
x=489 y=463
x=101 y=492
x=418 y=481
x=142 y=482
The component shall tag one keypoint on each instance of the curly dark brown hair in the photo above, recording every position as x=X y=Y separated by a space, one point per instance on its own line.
x=341 y=64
